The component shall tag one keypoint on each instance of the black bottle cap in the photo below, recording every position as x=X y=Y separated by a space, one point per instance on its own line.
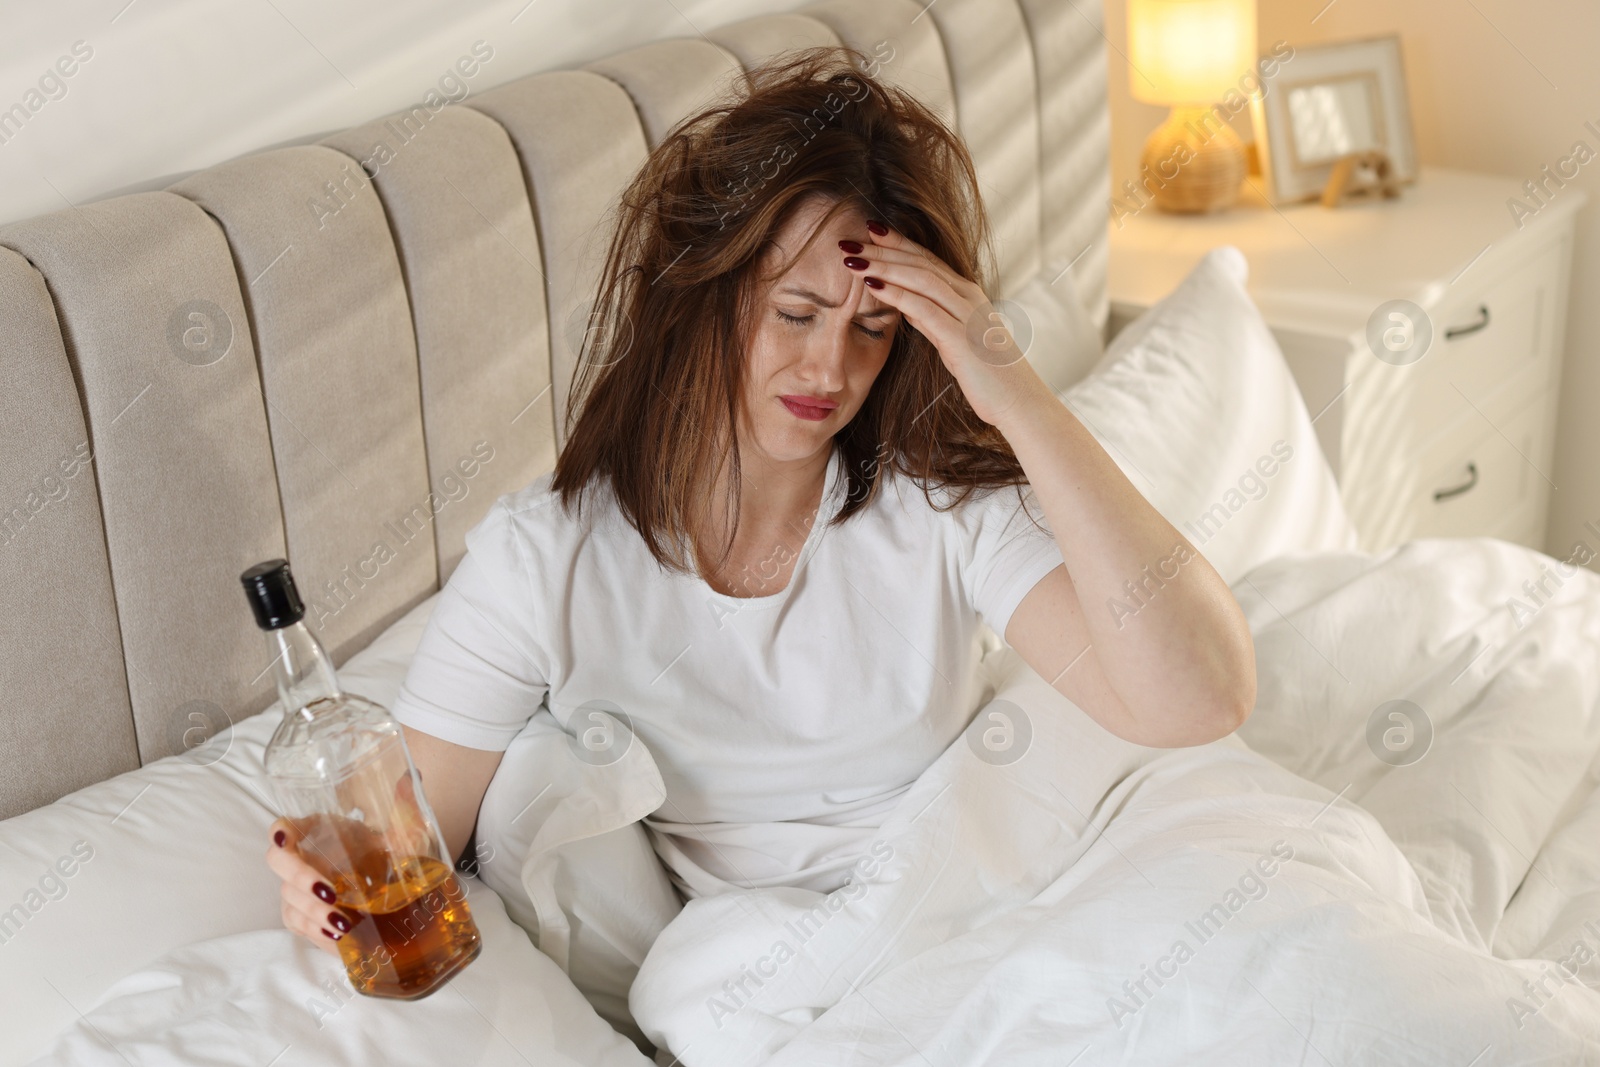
x=273 y=597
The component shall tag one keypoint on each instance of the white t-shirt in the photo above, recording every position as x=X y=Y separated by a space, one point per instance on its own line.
x=785 y=726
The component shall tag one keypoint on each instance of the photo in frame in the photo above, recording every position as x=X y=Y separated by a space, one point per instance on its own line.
x=1332 y=101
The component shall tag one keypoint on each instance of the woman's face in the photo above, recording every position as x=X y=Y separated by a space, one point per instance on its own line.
x=820 y=339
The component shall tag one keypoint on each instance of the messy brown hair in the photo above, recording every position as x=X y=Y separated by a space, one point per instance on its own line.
x=680 y=284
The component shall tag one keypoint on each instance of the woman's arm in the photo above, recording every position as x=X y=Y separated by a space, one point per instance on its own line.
x=1137 y=628
x=1174 y=664
x=454 y=779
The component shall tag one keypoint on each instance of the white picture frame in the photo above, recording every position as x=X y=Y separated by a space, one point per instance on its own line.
x=1326 y=101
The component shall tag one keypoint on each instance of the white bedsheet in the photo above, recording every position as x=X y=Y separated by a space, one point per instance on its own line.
x=266 y=996
x=1099 y=900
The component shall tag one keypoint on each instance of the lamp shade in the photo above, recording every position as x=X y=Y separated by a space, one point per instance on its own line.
x=1189 y=53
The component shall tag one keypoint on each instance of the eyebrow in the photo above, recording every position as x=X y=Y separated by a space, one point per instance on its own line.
x=816 y=298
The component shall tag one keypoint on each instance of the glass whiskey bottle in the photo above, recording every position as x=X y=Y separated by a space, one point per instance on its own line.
x=343 y=778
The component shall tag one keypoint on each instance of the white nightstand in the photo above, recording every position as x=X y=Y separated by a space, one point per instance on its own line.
x=1456 y=443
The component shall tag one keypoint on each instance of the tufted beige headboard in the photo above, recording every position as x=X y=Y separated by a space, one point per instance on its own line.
x=276 y=356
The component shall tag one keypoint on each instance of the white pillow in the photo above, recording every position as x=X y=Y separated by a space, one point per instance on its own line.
x=1056 y=333
x=116 y=876
x=1194 y=402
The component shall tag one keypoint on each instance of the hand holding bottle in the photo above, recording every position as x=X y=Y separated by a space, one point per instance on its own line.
x=306 y=898
x=307 y=894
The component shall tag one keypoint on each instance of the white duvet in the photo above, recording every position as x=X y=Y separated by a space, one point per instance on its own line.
x=1048 y=894
x=1348 y=881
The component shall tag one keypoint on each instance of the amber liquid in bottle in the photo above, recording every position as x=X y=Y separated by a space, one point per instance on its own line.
x=411 y=927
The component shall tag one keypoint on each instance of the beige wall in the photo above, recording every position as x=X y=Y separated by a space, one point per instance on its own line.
x=173 y=86
x=1498 y=86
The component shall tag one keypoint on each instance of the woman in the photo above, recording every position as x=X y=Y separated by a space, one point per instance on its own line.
x=781 y=510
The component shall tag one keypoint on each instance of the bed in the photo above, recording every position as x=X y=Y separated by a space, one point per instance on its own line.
x=289 y=354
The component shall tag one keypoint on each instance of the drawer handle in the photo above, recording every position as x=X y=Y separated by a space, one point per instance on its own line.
x=1461 y=331
x=1472 y=480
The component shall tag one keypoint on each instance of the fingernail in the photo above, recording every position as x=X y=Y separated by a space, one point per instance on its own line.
x=279 y=838
x=323 y=892
x=873 y=283
x=877 y=227
x=853 y=247
x=855 y=263
x=330 y=935
x=339 y=922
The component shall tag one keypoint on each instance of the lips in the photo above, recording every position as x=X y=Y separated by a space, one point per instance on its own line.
x=810 y=408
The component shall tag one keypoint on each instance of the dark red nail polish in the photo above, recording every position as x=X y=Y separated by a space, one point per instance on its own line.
x=279 y=838
x=877 y=227
x=855 y=263
x=873 y=283
x=339 y=922
x=331 y=936
x=323 y=892
x=853 y=247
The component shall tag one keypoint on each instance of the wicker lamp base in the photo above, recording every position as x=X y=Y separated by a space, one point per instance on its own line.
x=1195 y=162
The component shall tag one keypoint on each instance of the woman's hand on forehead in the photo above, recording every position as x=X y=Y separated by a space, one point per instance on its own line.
x=973 y=339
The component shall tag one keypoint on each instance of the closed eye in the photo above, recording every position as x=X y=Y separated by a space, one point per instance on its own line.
x=801 y=320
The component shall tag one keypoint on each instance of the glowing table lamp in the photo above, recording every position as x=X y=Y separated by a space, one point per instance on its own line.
x=1190 y=54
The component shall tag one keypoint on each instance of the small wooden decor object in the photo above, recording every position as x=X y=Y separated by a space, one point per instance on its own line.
x=1195 y=162
x=1361 y=174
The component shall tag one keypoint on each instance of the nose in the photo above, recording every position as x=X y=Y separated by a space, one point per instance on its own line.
x=829 y=347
